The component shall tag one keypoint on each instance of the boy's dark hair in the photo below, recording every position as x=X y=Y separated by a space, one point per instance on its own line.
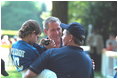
x=28 y=27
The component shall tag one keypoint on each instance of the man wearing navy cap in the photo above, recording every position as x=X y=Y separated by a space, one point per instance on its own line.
x=69 y=61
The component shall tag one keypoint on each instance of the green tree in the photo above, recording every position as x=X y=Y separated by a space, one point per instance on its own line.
x=14 y=13
x=101 y=14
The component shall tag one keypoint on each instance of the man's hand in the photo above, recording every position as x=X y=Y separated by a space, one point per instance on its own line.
x=30 y=74
x=48 y=43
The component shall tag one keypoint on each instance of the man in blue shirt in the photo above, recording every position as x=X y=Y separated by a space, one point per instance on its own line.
x=69 y=61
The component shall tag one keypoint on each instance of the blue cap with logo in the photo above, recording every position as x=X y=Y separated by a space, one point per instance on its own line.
x=76 y=29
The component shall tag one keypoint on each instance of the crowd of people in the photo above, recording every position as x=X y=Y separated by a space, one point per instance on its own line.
x=62 y=56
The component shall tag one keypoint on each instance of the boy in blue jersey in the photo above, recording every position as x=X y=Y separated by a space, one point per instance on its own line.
x=67 y=62
x=24 y=51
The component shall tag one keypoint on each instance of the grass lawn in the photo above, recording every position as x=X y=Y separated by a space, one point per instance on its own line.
x=98 y=75
x=14 y=74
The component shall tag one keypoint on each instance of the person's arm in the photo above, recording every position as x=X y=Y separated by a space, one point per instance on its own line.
x=40 y=48
x=37 y=66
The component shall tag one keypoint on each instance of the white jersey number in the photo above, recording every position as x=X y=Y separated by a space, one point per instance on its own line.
x=16 y=62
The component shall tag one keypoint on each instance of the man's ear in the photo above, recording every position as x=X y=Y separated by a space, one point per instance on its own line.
x=45 y=31
x=71 y=37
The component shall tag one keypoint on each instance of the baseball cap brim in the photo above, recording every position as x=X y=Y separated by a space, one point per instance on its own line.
x=64 y=26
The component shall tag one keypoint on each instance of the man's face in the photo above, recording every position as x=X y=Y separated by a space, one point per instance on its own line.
x=66 y=38
x=54 y=31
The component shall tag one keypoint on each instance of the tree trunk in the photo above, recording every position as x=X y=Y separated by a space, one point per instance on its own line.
x=60 y=10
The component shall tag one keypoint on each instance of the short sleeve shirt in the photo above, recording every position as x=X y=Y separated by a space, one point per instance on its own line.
x=68 y=61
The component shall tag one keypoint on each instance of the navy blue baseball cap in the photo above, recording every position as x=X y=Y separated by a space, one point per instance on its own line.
x=76 y=29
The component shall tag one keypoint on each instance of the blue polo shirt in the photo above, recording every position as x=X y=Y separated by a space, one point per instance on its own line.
x=66 y=62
